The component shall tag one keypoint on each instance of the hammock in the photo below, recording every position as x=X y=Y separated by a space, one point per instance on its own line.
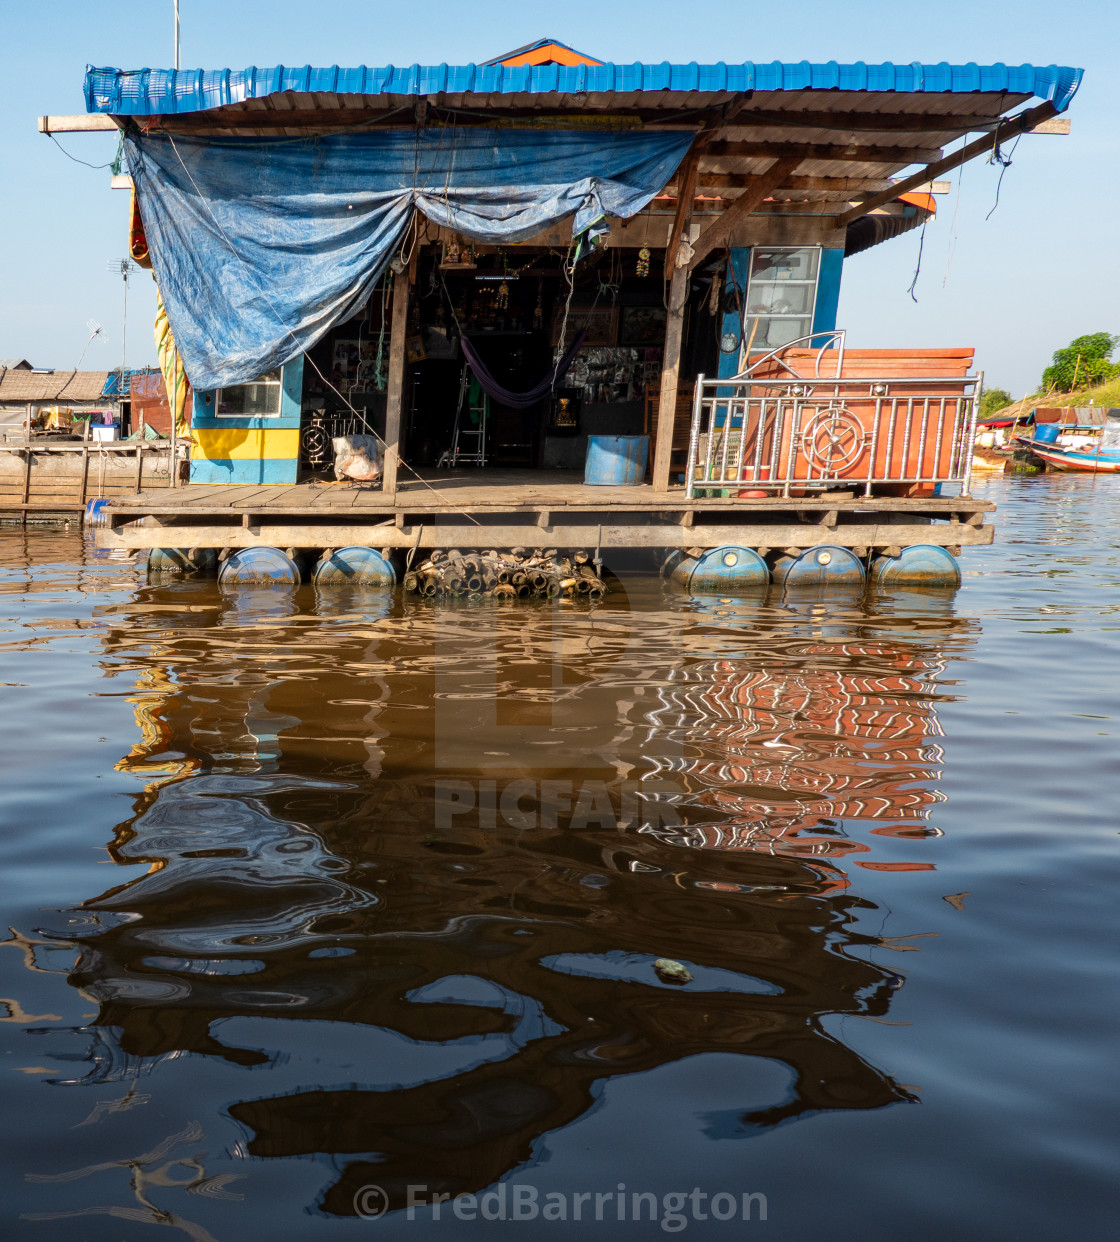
x=521 y=400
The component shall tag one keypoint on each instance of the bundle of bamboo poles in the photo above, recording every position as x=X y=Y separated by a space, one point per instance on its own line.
x=512 y=574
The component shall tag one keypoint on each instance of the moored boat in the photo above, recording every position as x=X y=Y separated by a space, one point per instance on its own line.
x=1095 y=454
x=1096 y=461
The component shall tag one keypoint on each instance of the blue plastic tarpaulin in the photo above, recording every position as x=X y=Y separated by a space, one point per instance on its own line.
x=260 y=246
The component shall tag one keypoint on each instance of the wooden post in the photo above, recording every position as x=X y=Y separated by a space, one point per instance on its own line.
x=85 y=462
x=139 y=464
x=394 y=396
x=173 y=405
x=27 y=481
x=676 y=256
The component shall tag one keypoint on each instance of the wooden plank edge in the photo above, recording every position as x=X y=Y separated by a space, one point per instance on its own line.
x=447 y=535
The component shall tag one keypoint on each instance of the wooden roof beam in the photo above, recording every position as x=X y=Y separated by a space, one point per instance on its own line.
x=719 y=232
x=95 y=122
x=875 y=122
x=821 y=151
x=1021 y=123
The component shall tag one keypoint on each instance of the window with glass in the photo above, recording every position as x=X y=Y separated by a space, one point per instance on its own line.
x=259 y=399
x=781 y=294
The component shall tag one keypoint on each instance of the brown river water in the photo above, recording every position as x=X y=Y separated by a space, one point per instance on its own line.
x=335 y=916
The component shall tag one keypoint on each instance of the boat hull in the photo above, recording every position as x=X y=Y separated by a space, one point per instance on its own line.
x=1105 y=462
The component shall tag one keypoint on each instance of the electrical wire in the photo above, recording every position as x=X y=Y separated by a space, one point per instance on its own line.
x=953 y=229
x=1004 y=161
x=921 y=247
x=75 y=158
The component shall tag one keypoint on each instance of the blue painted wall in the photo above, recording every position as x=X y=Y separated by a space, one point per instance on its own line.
x=824 y=311
x=740 y=268
x=249 y=450
x=828 y=290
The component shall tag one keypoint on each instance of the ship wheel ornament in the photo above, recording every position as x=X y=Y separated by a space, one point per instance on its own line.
x=316 y=442
x=833 y=439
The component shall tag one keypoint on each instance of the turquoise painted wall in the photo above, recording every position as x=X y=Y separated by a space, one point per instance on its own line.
x=828 y=290
x=249 y=450
x=824 y=310
x=740 y=268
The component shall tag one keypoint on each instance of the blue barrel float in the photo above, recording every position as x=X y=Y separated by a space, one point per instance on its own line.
x=828 y=565
x=721 y=571
x=616 y=461
x=95 y=514
x=259 y=567
x=925 y=564
x=182 y=561
x=1047 y=433
x=355 y=566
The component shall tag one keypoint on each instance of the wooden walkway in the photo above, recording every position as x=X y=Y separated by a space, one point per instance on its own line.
x=57 y=477
x=508 y=491
x=496 y=508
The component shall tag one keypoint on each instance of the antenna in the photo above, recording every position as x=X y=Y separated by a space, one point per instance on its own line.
x=124 y=268
x=95 y=330
x=176 y=65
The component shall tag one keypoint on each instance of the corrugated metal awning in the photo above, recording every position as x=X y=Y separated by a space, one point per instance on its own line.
x=153 y=92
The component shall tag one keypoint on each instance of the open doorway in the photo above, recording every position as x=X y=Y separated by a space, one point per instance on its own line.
x=517 y=307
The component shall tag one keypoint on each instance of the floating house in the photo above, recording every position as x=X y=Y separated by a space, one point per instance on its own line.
x=520 y=275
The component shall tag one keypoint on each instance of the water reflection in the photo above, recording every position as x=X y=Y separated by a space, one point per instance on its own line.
x=425 y=986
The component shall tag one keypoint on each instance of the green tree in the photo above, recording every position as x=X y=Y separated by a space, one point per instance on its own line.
x=994 y=399
x=1084 y=361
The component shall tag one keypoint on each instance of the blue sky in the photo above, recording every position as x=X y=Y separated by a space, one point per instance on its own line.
x=1043 y=269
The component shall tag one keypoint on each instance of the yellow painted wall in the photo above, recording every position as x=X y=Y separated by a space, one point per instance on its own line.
x=246 y=443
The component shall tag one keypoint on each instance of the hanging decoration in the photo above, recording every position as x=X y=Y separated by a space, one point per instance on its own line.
x=502 y=300
x=643 y=262
x=137 y=241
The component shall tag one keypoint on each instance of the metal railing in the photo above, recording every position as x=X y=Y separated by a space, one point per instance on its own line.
x=777 y=433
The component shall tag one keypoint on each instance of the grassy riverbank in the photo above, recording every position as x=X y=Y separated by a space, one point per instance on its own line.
x=1107 y=394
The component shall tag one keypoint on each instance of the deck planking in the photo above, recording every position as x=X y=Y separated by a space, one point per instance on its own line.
x=498 y=491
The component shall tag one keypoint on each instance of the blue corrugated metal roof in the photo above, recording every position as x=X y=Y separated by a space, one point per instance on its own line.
x=148 y=92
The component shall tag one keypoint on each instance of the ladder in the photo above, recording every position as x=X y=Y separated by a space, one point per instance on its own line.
x=468 y=443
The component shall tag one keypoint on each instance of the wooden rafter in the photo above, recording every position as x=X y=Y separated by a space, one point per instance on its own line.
x=1018 y=124
x=873 y=122
x=719 y=232
x=822 y=151
x=836 y=185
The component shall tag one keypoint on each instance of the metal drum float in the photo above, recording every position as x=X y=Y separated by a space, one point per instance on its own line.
x=166 y=562
x=824 y=566
x=721 y=571
x=924 y=564
x=259 y=567
x=354 y=566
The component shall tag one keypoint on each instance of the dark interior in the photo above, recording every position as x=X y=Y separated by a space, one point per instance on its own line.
x=513 y=304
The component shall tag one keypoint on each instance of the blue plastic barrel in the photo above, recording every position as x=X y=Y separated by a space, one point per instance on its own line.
x=616 y=461
x=925 y=564
x=95 y=512
x=355 y=566
x=828 y=565
x=721 y=571
x=259 y=567
x=182 y=560
x=1047 y=433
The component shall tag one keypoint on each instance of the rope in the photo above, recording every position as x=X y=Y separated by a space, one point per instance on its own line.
x=276 y=314
x=918 y=268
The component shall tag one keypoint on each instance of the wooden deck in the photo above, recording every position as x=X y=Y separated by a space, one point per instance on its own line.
x=59 y=477
x=504 y=508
